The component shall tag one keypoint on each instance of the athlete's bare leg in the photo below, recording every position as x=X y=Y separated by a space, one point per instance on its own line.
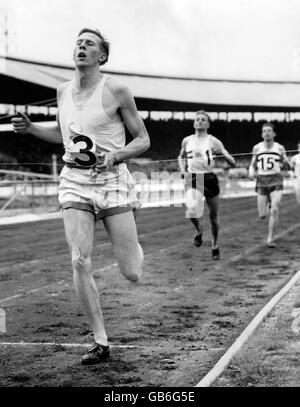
x=297 y=189
x=213 y=207
x=122 y=232
x=194 y=211
x=275 y=198
x=79 y=230
x=262 y=206
x=197 y=224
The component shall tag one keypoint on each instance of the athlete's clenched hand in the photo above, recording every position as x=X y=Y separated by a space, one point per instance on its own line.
x=107 y=161
x=21 y=123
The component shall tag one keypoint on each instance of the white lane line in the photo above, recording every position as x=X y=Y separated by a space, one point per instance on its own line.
x=45 y=287
x=220 y=366
x=167 y=248
x=66 y=345
x=28 y=217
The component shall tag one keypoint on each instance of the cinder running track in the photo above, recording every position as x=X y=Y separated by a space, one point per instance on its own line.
x=170 y=328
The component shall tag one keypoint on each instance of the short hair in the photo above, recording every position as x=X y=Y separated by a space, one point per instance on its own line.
x=268 y=124
x=205 y=114
x=104 y=43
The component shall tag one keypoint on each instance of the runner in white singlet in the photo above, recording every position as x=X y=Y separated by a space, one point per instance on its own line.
x=268 y=157
x=93 y=111
x=197 y=156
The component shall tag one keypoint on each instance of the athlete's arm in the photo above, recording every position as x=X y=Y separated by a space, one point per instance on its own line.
x=219 y=148
x=285 y=160
x=134 y=124
x=293 y=163
x=252 y=167
x=23 y=125
x=182 y=162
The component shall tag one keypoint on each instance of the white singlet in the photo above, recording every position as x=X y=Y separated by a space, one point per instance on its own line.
x=87 y=131
x=199 y=154
x=268 y=159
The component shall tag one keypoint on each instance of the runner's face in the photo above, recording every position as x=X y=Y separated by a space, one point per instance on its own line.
x=268 y=133
x=201 y=122
x=87 y=51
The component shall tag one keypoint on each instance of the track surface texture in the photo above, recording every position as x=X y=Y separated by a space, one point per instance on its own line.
x=171 y=327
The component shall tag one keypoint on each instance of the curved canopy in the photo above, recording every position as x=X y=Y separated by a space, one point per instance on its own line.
x=25 y=82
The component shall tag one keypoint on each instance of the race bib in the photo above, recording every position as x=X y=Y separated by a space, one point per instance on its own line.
x=268 y=163
x=200 y=160
x=82 y=148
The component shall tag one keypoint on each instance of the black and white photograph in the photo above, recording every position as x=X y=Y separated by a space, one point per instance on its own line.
x=150 y=196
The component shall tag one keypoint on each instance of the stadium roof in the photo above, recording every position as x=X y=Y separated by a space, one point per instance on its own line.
x=27 y=82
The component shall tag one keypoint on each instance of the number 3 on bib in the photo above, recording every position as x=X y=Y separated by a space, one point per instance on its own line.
x=82 y=148
x=92 y=159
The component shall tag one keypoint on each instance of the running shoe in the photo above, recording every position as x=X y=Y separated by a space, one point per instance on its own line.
x=215 y=254
x=95 y=354
x=198 y=240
